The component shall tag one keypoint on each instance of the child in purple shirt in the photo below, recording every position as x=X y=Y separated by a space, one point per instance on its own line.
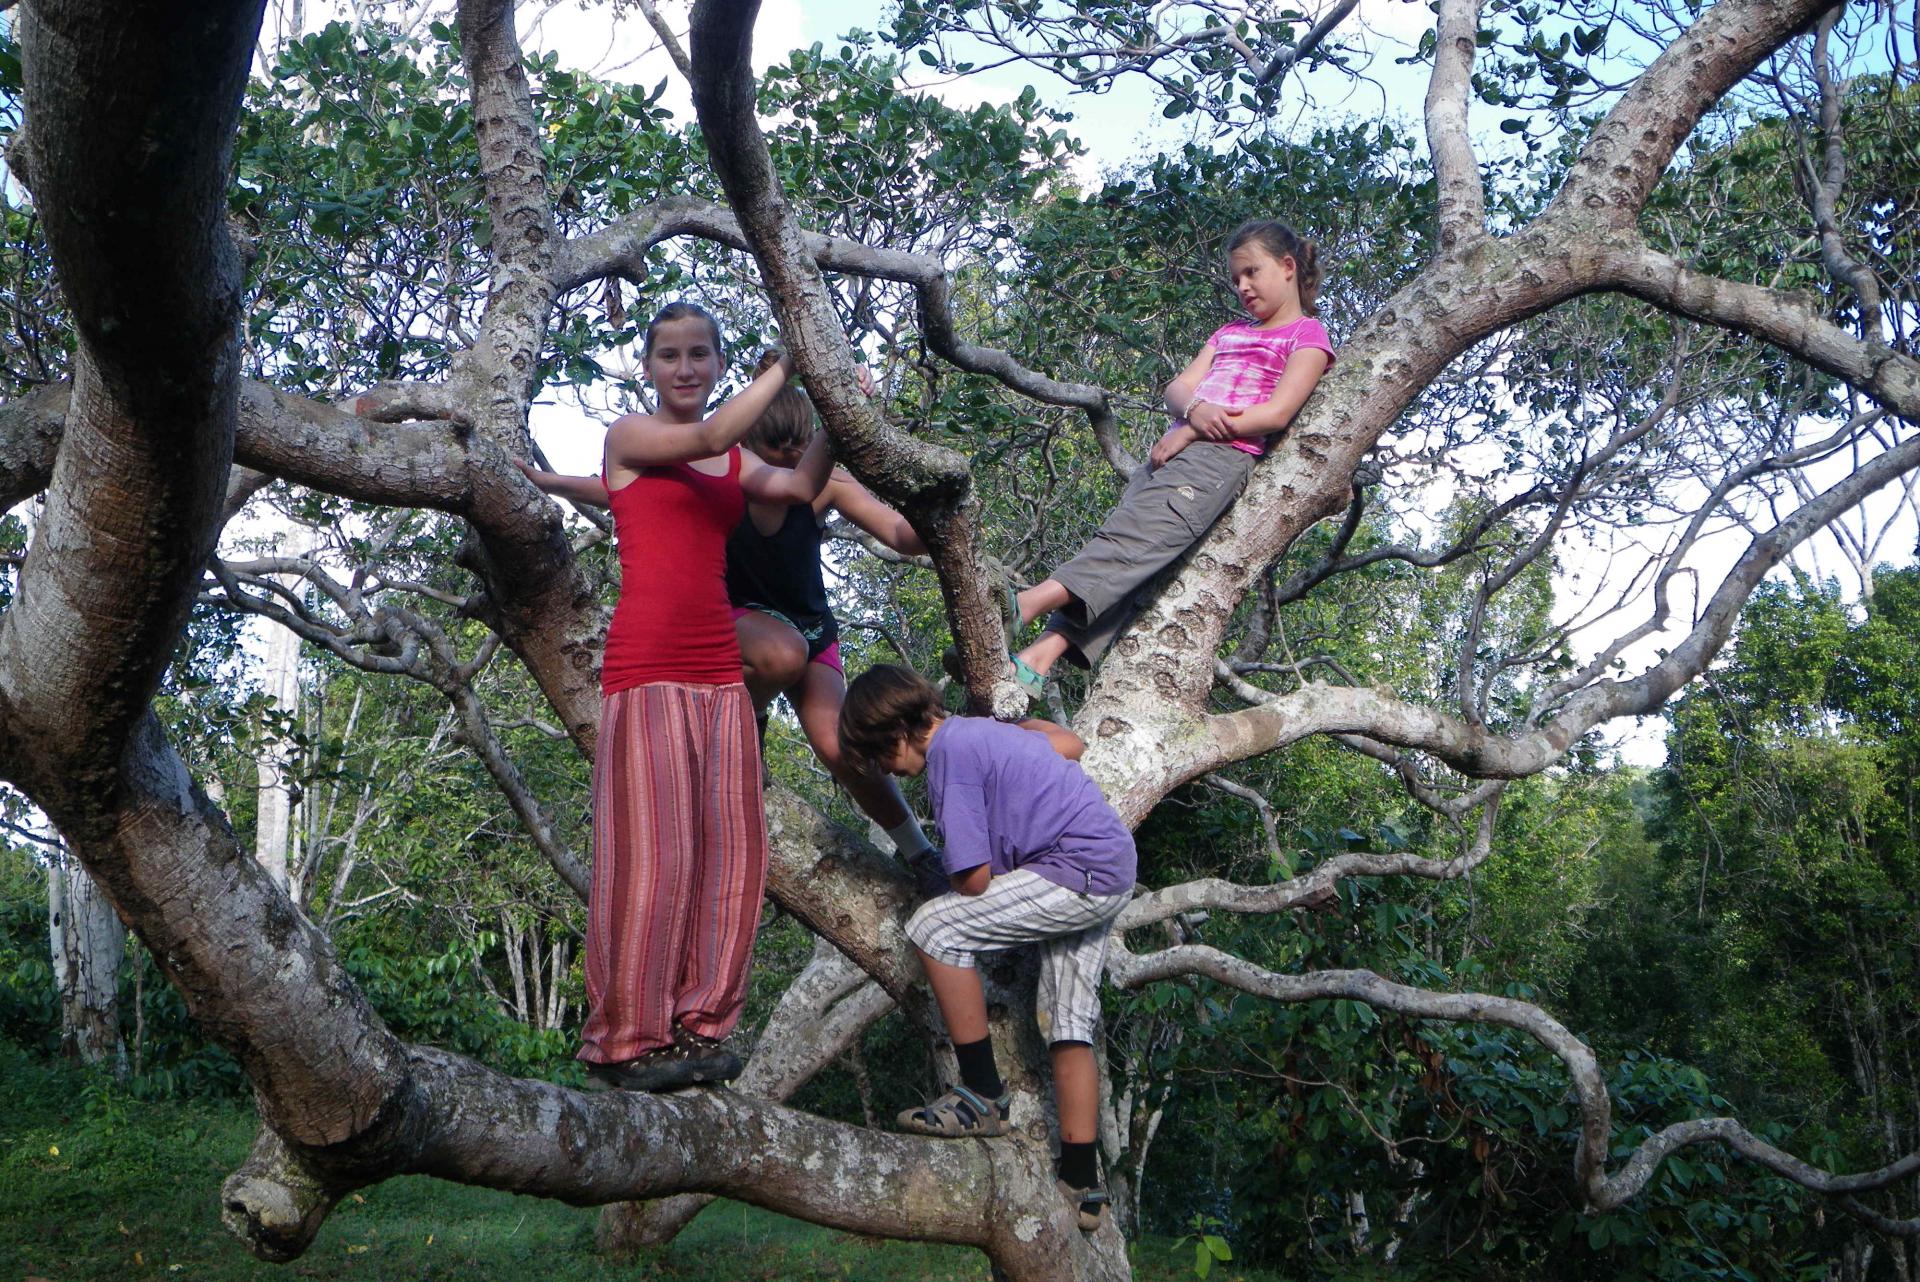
x=1033 y=854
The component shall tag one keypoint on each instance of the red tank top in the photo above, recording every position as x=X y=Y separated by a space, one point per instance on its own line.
x=673 y=622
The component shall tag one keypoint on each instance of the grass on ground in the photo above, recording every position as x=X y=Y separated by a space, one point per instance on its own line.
x=95 y=1184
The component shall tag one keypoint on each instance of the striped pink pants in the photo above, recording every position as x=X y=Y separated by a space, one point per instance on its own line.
x=679 y=865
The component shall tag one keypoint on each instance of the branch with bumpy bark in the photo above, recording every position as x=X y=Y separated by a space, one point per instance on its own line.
x=455 y=1119
x=1890 y=378
x=1630 y=149
x=1462 y=202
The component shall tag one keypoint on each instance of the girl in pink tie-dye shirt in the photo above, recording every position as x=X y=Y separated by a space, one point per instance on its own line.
x=1246 y=384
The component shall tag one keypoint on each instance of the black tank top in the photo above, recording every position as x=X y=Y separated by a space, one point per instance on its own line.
x=781 y=572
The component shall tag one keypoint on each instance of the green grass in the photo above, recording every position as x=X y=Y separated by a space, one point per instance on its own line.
x=95 y=1184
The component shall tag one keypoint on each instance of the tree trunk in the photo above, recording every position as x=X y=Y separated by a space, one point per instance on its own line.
x=273 y=829
x=89 y=946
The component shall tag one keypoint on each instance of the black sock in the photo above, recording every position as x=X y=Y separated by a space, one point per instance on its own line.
x=977 y=1070
x=1076 y=1165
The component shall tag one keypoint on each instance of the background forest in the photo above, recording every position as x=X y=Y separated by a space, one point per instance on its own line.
x=1733 y=930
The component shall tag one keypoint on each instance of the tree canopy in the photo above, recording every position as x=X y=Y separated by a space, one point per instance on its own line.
x=1604 y=369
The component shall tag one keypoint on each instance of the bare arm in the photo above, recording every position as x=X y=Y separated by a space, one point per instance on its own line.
x=1302 y=375
x=1064 y=741
x=642 y=440
x=1179 y=393
x=802 y=483
x=589 y=490
x=973 y=881
x=855 y=502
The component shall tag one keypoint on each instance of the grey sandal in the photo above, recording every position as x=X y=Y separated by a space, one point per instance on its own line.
x=958 y=1114
x=1089 y=1204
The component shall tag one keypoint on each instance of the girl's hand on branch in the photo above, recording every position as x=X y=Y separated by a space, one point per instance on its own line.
x=867 y=386
x=1170 y=445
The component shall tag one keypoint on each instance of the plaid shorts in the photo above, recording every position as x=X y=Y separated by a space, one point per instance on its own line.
x=1023 y=907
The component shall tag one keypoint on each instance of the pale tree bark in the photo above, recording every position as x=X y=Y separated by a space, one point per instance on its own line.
x=89 y=947
x=274 y=827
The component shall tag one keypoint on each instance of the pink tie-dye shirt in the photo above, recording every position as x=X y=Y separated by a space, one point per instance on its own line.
x=1248 y=362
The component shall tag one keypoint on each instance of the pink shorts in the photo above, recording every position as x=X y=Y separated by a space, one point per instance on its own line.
x=827 y=655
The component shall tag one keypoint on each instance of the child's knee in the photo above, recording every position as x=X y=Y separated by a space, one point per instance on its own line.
x=788 y=661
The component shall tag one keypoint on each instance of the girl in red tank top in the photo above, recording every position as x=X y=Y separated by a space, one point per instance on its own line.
x=679 y=835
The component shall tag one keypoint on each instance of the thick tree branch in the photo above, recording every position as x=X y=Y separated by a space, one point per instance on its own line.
x=1630 y=149
x=1891 y=379
x=1462 y=202
x=822 y=1013
x=130 y=121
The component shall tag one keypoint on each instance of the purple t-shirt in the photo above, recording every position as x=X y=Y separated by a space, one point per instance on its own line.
x=1003 y=797
x=1248 y=362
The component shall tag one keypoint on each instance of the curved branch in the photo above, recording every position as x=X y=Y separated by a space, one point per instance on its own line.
x=1599 y=1191
x=621 y=249
x=1310 y=888
x=1825 y=187
x=1129 y=970
x=1473 y=750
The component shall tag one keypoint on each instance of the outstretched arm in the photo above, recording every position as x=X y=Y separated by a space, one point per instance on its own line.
x=802 y=483
x=641 y=440
x=855 y=502
x=588 y=490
